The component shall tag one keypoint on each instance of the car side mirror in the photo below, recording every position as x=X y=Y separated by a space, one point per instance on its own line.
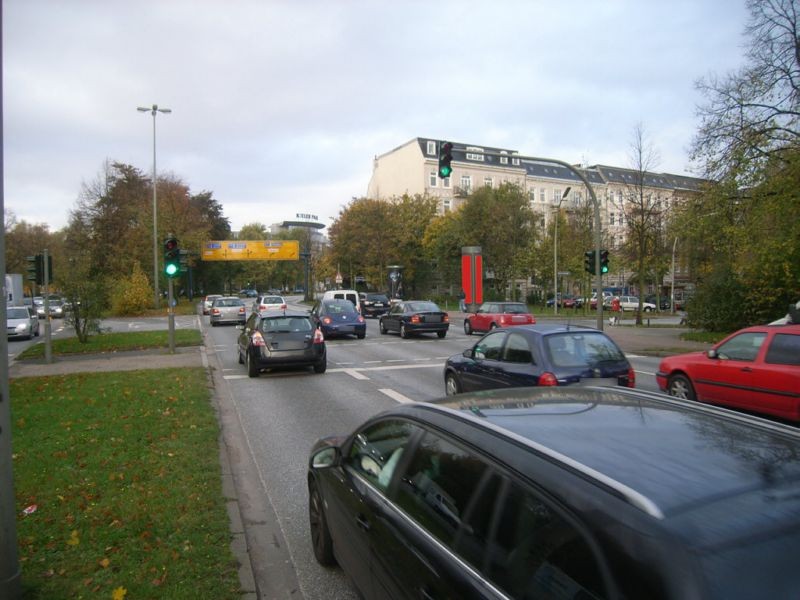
x=326 y=458
x=712 y=354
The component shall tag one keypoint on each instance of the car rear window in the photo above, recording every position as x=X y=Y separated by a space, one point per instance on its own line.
x=339 y=307
x=377 y=298
x=584 y=349
x=784 y=350
x=423 y=307
x=228 y=302
x=286 y=325
x=515 y=309
x=272 y=300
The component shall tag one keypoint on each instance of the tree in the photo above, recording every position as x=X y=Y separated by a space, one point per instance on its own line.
x=751 y=116
x=643 y=211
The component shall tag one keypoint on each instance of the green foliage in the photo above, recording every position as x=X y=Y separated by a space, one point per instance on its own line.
x=131 y=295
x=719 y=303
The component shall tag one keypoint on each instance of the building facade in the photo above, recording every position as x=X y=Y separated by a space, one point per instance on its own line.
x=412 y=169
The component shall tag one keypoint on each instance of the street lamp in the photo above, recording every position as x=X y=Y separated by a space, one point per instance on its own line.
x=555 y=251
x=153 y=110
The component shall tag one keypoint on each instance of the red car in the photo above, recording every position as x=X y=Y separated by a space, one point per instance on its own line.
x=498 y=314
x=756 y=369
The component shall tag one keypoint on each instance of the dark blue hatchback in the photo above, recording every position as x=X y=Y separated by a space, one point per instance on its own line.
x=538 y=355
x=339 y=318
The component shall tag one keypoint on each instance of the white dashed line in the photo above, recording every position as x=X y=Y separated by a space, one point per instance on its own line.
x=397 y=396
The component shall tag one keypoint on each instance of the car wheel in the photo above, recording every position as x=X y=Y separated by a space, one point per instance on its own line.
x=382 y=327
x=403 y=331
x=239 y=353
x=467 y=327
x=252 y=370
x=320 y=535
x=441 y=334
x=647 y=309
x=451 y=385
x=321 y=366
x=361 y=336
x=679 y=386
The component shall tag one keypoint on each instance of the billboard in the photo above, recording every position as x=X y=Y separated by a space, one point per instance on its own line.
x=251 y=250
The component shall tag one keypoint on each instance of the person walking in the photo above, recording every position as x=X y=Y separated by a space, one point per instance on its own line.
x=615 y=310
x=462 y=301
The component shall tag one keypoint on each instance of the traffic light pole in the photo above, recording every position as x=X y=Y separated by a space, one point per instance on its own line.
x=171 y=314
x=48 y=344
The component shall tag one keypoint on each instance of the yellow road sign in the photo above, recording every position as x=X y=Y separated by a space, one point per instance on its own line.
x=251 y=250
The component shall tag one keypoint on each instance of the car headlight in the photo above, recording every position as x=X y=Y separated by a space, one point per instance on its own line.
x=22 y=327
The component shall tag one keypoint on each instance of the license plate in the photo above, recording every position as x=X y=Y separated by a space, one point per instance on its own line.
x=598 y=381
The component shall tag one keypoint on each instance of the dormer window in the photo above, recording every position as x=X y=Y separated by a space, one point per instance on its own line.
x=431 y=148
x=503 y=159
x=515 y=162
x=474 y=153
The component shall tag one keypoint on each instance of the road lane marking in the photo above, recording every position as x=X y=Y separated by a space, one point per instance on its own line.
x=354 y=373
x=397 y=396
x=358 y=373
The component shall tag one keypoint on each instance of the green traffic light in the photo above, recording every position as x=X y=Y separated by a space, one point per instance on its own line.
x=170 y=269
x=444 y=172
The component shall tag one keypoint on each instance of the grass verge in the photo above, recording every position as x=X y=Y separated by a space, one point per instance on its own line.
x=116 y=342
x=124 y=473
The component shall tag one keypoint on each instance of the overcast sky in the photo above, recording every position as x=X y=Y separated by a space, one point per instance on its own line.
x=280 y=107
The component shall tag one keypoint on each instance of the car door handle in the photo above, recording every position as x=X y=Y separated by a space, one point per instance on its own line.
x=363 y=522
x=747 y=370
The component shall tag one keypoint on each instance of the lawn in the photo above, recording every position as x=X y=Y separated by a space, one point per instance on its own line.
x=115 y=342
x=118 y=487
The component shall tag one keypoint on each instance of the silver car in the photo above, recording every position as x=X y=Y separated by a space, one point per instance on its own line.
x=22 y=322
x=227 y=309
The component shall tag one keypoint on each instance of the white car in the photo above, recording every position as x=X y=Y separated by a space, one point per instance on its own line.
x=208 y=301
x=21 y=321
x=632 y=303
x=269 y=302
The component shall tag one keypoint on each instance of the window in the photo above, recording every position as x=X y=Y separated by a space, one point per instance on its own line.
x=437 y=486
x=377 y=449
x=503 y=159
x=474 y=153
x=532 y=196
x=612 y=218
x=487 y=182
x=431 y=148
x=742 y=347
x=784 y=350
x=515 y=162
x=490 y=347
x=556 y=195
x=537 y=553
x=517 y=349
x=466 y=183
x=542 y=195
x=446 y=207
x=446 y=182
x=433 y=178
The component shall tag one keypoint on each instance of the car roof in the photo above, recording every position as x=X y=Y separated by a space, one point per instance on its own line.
x=663 y=456
x=551 y=328
x=272 y=313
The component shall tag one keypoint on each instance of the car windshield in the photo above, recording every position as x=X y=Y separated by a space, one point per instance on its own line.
x=422 y=307
x=515 y=309
x=17 y=313
x=584 y=349
x=285 y=324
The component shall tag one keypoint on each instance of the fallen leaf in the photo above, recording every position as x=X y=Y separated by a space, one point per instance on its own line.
x=104 y=563
x=119 y=593
x=73 y=538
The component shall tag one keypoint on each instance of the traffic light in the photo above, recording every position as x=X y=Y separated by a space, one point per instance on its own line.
x=604 y=261
x=445 y=158
x=35 y=269
x=588 y=261
x=172 y=257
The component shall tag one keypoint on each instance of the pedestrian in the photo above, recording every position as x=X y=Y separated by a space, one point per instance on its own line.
x=462 y=301
x=615 y=310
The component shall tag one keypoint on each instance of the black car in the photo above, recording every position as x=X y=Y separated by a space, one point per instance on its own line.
x=538 y=355
x=560 y=493
x=374 y=305
x=272 y=339
x=409 y=317
x=337 y=318
x=662 y=303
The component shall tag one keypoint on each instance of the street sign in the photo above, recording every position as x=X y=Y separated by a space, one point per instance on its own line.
x=227 y=250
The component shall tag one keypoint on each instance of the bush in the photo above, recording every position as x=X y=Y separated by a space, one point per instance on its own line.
x=132 y=295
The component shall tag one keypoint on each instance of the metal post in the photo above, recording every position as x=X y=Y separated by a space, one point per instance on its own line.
x=672 y=285
x=48 y=344
x=171 y=315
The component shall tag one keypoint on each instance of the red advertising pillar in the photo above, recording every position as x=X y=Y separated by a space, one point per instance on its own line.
x=472 y=276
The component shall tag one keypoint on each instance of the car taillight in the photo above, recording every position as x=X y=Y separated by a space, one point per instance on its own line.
x=547 y=379
x=631 y=378
x=283 y=307
x=505 y=319
x=533 y=320
x=258 y=339
x=318 y=337
x=446 y=318
x=360 y=319
x=262 y=307
x=415 y=319
x=327 y=320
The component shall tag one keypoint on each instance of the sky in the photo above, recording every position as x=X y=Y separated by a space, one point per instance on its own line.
x=279 y=107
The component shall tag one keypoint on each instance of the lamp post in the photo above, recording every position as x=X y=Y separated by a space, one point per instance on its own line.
x=672 y=283
x=555 y=251
x=153 y=110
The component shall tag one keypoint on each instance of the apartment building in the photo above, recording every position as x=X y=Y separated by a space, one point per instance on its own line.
x=412 y=169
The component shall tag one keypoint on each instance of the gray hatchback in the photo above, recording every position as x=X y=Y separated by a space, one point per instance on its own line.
x=228 y=309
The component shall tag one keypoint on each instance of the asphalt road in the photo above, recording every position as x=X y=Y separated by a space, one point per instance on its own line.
x=282 y=414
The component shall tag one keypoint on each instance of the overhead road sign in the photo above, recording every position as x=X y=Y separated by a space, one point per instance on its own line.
x=227 y=250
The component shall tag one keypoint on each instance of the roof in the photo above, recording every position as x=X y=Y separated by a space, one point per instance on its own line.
x=665 y=456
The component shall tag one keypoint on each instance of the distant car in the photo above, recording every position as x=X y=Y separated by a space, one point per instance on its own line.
x=281 y=339
x=538 y=355
x=208 y=301
x=497 y=314
x=54 y=305
x=269 y=302
x=338 y=318
x=410 y=317
x=663 y=303
x=374 y=305
x=631 y=303
x=579 y=493
x=227 y=309
x=21 y=322
x=755 y=369
x=248 y=293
